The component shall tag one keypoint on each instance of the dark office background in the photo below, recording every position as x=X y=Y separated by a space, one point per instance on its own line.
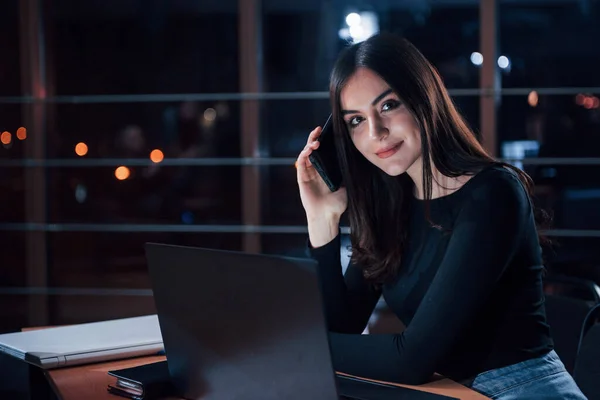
x=124 y=78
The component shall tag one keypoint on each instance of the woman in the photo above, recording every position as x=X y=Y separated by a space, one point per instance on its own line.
x=444 y=232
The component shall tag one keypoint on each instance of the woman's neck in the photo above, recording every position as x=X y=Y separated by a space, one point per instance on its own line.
x=441 y=185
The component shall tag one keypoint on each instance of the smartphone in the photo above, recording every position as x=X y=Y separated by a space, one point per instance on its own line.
x=325 y=158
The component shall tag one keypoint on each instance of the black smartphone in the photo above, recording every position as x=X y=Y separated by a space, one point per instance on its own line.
x=325 y=158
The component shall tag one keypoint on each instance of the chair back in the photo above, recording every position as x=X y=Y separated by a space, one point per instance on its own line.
x=587 y=365
x=566 y=317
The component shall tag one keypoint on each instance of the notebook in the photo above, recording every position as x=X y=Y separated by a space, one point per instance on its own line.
x=85 y=343
x=142 y=382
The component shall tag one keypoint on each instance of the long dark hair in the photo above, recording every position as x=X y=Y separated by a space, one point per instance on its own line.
x=378 y=203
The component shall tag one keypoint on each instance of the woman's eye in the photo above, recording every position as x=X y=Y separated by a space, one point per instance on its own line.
x=354 y=121
x=390 y=105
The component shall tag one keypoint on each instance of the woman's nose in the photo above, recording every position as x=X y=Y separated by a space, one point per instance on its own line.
x=377 y=130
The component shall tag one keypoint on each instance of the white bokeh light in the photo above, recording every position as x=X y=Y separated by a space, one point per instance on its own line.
x=476 y=58
x=359 y=26
x=356 y=32
x=353 y=19
x=503 y=62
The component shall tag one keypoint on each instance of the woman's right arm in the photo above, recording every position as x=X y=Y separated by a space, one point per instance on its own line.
x=349 y=300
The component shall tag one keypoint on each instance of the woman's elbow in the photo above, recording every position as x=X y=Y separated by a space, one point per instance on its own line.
x=411 y=376
x=418 y=379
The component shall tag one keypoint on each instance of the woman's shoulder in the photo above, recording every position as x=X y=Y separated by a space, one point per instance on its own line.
x=496 y=183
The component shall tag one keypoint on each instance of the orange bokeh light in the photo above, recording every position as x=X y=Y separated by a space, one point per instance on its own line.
x=122 y=173
x=595 y=102
x=533 y=98
x=81 y=149
x=579 y=99
x=6 y=137
x=21 y=133
x=157 y=156
x=588 y=102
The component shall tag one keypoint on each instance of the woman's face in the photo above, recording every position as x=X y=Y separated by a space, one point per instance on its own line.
x=381 y=127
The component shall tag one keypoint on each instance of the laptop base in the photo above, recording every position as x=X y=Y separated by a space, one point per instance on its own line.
x=356 y=389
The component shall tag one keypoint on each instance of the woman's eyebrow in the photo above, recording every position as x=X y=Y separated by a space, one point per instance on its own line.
x=377 y=100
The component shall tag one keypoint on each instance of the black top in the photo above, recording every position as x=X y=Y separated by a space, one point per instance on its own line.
x=471 y=299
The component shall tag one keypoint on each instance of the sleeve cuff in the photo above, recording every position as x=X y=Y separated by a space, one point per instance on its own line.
x=318 y=252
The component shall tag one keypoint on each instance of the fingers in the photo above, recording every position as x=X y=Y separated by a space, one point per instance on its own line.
x=308 y=149
x=304 y=166
x=303 y=161
x=312 y=143
x=314 y=135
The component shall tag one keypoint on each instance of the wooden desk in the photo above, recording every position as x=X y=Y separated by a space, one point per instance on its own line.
x=90 y=381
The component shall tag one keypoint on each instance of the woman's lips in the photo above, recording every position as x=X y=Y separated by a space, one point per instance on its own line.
x=388 y=151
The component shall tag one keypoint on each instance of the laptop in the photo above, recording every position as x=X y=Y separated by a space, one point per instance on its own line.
x=247 y=326
x=85 y=343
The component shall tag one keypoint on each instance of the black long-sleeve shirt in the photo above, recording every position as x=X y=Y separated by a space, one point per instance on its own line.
x=471 y=299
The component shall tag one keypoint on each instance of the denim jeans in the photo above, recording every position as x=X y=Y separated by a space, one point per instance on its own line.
x=539 y=378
